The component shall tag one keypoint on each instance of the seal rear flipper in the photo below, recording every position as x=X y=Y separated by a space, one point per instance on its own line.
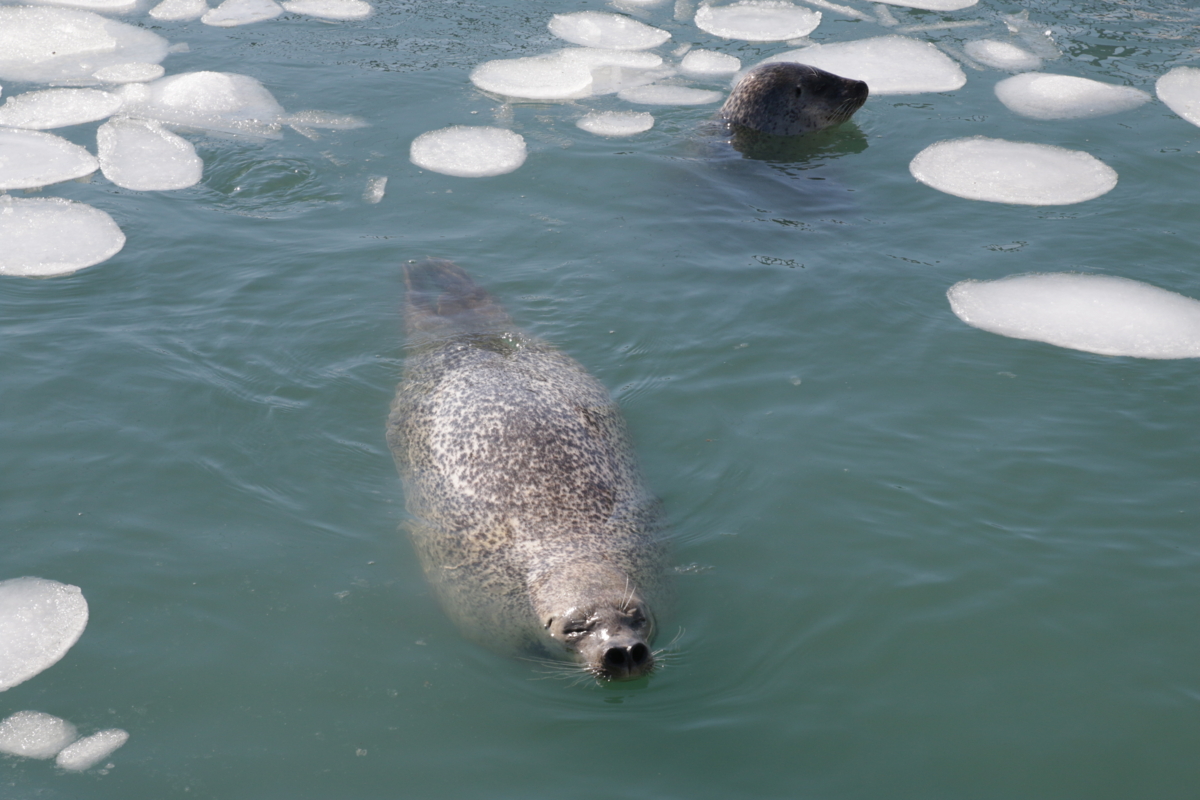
x=442 y=300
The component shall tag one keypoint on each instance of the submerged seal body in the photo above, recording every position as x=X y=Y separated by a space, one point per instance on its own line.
x=788 y=99
x=528 y=512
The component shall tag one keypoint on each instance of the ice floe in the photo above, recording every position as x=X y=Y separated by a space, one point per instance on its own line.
x=1042 y=96
x=758 y=20
x=99 y=6
x=890 y=64
x=216 y=101
x=468 y=151
x=133 y=72
x=32 y=734
x=932 y=5
x=142 y=155
x=1001 y=171
x=601 y=29
x=32 y=159
x=376 y=186
x=57 y=108
x=232 y=13
x=709 y=62
x=1180 y=90
x=616 y=123
x=90 y=750
x=330 y=9
x=39 y=619
x=41 y=237
x=1002 y=55
x=66 y=46
x=179 y=10
x=666 y=95
x=534 y=78
x=1101 y=314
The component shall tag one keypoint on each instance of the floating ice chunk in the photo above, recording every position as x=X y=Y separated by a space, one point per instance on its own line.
x=1095 y=313
x=39 y=238
x=467 y=151
x=891 y=64
x=179 y=10
x=1002 y=55
x=595 y=57
x=216 y=101
x=932 y=5
x=90 y=750
x=1042 y=96
x=141 y=155
x=601 y=29
x=376 y=185
x=758 y=20
x=33 y=734
x=133 y=72
x=1180 y=90
x=31 y=159
x=62 y=45
x=39 y=619
x=664 y=95
x=99 y=6
x=616 y=123
x=330 y=9
x=232 y=13
x=57 y=108
x=323 y=119
x=1000 y=171
x=534 y=78
x=708 y=62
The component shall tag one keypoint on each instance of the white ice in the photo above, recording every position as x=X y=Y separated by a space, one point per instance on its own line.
x=709 y=62
x=32 y=159
x=467 y=151
x=1002 y=55
x=65 y=46
x=614 y=70
x=39 y=619
x=616 y=123
x=41 y=237
x=179 y=10
x=376 y=186
x=99 y=6
x=601 y=29
x=57 y=108
x=133 y=72
x=664 y=95
x=1000 y=171
x=1042 y=96
x=534 y=78
x=33 y=734
x=1180 y=90
x=216 y=101
x=142 y=155
x=931 y=5
x=90 y=750
x=1096 y=313
x=330 y=9
x=891 y=64
x=232 y=13
x=758 y=20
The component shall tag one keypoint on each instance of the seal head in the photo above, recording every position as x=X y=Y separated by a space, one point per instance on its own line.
x=788 y=99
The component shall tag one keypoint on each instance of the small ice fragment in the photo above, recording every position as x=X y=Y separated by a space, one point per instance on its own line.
x=326 y=120
x=179 y=10
x=709 y=62
x=1000 y=171
x=33 y=734
x=1180 y=90
x=376 y=185
x=62 y=45
x=932 y=5
x=32 y=159
x=57 y=108
x=217 y=101
x=39 y=619
x=330 y=9
x=133 y=72
x=534 y=78
x=890 y=64
x=845 y=11
x=1042 y=96
x=1101 y=314
x=758 y=20
x=41 y=237
x=467 y=151
x=663 y=95
x=1002 y=55
x=616 y=123
x=90 y=750
x=601 y=29
x=141 y=155
x=241 y=12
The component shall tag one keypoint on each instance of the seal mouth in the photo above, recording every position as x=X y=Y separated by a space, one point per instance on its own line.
x=845 y=110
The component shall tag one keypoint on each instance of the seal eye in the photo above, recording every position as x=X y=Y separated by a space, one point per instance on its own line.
x=576 y=628
x=799 y=91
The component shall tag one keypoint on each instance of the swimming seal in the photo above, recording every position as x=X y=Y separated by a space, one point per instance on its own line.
x=528 y=511
x=788 y=99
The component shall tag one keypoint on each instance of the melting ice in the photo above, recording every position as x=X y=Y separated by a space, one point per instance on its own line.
x=467 y=151
x=66 y=46
x=330 y=9
x=1002 y=55
x=708 y=62
x=142 y=155
x=39 y=619
x=41 y=237
x=217 y=101
x=534 y=78
x=664 y=95
x=57 y=108
x=32 y=734
x=179 y=10
x=232 y=13
x=891 y=64
x=758 y=20
x=932 y=5
x=616 y=123
x=90 y=750
x=1180 y=90
x=1042 y=96
x=33 y=159
x=601 y=29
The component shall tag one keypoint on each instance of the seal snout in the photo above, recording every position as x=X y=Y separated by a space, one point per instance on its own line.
x=625 y=661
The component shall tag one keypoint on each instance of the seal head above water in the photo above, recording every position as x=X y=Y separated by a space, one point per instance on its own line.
x=788 y=99
x=528 y=512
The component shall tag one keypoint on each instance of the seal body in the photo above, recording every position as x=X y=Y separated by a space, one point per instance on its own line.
x=788 y=99
x=527 y=508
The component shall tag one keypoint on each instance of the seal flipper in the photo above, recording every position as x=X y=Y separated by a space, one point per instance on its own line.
x=443 y=301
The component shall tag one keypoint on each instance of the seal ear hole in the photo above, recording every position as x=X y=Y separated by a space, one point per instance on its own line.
x=799 y=91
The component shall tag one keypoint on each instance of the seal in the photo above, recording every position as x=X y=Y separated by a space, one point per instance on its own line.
x=789 y=99
x=527 y=508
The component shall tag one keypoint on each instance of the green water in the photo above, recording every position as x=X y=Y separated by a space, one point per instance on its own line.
x=916 y=560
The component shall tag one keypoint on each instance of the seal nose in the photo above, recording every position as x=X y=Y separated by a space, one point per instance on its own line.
x=627 y=660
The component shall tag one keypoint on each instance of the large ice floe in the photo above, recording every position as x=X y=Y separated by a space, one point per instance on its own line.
x=32 y=734
x=467 y=151
x=758 y=20
x=57 y=108
x=39 y=619
x=1002 y=55
x=568 y=74
x=232 y=13
x=616 y=123
x=891 y=64
x=1042 y=96
x=91 y=750
x=1000 y=171
x=41 y=237
x=33 y=159
x=1180 y=90
x=67 y=46
x=215 y=101
x=601 y=29
x=1101 y=314
x=142 y=155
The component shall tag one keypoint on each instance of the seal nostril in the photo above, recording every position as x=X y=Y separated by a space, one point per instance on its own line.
x=639 y=654
x=616 y=657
